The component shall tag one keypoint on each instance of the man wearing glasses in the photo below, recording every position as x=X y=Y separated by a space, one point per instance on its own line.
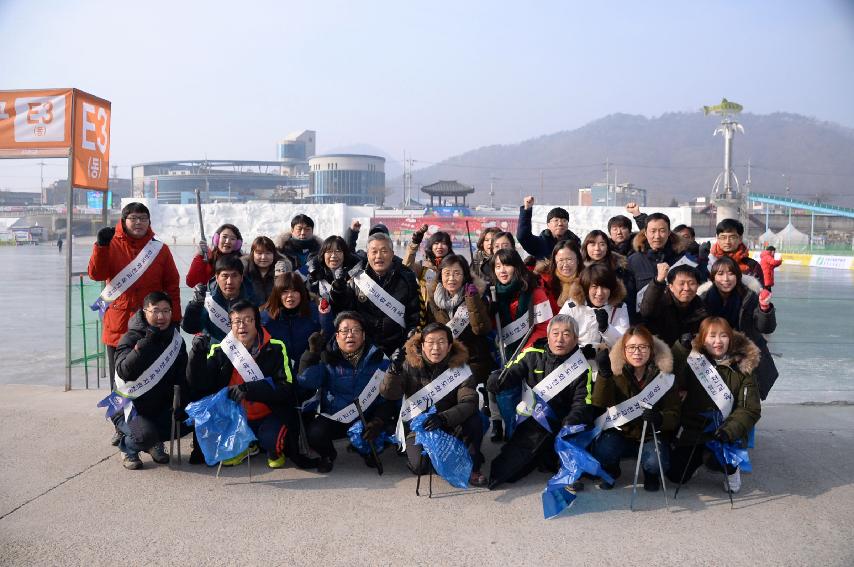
x=133 y=264
x=152 y=340
x=730 y=233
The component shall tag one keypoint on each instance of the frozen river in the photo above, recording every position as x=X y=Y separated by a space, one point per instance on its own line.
x=813 y=344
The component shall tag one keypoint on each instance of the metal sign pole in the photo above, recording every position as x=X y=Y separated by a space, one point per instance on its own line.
x=69 y=222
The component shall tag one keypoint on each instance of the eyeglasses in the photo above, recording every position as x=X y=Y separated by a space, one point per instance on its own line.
x=349 y=332
x=135 y=218
x=637 y=348
x=247 y=321
x=158 y=312
x=440 y=343
x=334 y=252
x=728 y=237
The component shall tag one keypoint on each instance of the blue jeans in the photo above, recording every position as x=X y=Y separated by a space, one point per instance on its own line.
x=612 y=446
x=143 y=432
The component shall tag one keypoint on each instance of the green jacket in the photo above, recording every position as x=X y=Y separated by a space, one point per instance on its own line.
x=737 y=373
x=610 y=391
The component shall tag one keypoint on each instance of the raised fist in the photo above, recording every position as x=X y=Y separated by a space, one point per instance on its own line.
x=528 y=202
x=355 y=226
x=418 y=235
x=633 y=209
x=661 y=270
x=203 y=249
x=105 y=235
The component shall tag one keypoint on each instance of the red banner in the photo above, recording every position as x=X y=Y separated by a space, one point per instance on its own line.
x=401 y=228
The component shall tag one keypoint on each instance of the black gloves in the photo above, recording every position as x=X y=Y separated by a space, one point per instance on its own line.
x=685 y=340
x=492 y=383
x=315 y=342
x=199 y=293
x=372 y=429
x=601 y=319
x=722 y=436
x=653 y=416
x=435 y=421
x=237 y=393
x=603 y=360
x=589 y=352
x=418 y=235
x=339 y=285
x=105 y=235
x=397 y=358
x=705 y=250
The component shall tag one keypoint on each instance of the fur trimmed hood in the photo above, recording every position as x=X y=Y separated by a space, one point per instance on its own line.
x=576 y=294
x=284 y=237
x=677 y=244
x=747 y=281
x=742 y=351
x=457 y=356
x=662 y=356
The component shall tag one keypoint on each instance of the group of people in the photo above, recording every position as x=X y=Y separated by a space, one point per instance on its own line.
x=310 y=336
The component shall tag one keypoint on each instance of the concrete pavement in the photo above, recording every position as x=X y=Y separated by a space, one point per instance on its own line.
x=65 y=499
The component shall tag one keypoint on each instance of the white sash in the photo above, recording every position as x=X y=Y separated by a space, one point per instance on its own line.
x=128 y=275
x=390 y=306
x=438 y=388
x=153 y=374
x=711 y=380
x=217 y=314
x=683 y=260
x=562 y=376
x=516 y=330
x=459 y=321
x=324 y=289
x=241 y=359
x=366 y=398
x=621 y=414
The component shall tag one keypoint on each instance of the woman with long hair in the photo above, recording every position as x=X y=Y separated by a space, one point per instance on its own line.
x=226 y=240
x=740 y=299
x=596 y=249
x=596 y=303
x=332 y=262
x=261 y=266
x=562 y=271
x=484 y=252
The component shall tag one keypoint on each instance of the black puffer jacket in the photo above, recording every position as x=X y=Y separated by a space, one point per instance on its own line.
x=457 y=406
x=400 y=282
x=136 y=352
x=318 y=271
x=572 y=405
x=666 y=318
x=299 y=252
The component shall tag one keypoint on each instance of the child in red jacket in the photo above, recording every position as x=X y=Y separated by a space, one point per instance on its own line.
x=769 y=264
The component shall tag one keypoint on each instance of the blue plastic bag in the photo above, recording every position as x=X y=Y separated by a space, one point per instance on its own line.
x=732 y=454
x=448 y=454
x=570 y=446
x=362 y=447
x=507 y=402
x=222 y=429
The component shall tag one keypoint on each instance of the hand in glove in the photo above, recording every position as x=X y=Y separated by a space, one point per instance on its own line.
x=492 y=383
x=685 y=340
x=653 y=417
x=203 y=249
x=471 y=290
x=722 y=436
x=397 y=358
x=601 y=319
x=199 y=293
x=418 y=235
x=603 y=360
x=372 y=429
x=435 y=421
x=315 y=342
x=589 y=352
x=339 y=285
x=105 y=235
x=765 y=300
x=237 y=393
x=280 y=268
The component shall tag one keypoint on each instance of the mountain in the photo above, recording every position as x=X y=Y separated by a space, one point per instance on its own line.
x=671 y=156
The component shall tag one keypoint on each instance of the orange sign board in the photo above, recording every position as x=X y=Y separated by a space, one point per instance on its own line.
x=58 y=123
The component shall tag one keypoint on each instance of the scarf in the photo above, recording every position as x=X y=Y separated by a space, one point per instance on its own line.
x=446 y=302
x=353 y=357
x=728 y=309
x=505 y=294
x=739 y=255
x=565 y=284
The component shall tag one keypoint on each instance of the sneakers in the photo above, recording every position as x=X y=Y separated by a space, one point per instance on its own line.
x=651 y=482
x=234 y=461
x=254 y=449
x=276 y=463
x=116 y=438
x=605 y=485
x=158 y=454
x=477 y=479
x=324 y=465
x=131 y=461
x=734 y=480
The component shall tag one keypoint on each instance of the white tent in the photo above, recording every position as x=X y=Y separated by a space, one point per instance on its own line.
x=790 y=238
x=766 y=237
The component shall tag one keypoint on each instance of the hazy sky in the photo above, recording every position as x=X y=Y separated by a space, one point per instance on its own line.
x=226 y=80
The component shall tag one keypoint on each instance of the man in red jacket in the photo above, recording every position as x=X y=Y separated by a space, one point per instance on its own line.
x=133 y=264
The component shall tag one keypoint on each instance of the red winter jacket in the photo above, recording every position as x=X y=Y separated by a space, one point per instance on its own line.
x=201 y=271
x=769 y=264
x=107 y=261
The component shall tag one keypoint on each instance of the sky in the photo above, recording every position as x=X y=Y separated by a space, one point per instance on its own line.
x=227 y=80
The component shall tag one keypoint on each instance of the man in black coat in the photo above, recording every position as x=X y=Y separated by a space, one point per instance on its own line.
x=394 y=280
x=150 y=333
x=671 y=309
x=531 y=443
x=540 y=247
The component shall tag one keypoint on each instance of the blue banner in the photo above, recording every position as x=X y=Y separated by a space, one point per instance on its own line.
x=361 y=445
x=449 y=455
x=507 y=401
x=222 y=429
x=570 y=446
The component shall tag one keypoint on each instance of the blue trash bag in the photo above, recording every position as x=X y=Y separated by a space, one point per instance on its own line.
x=362 y=447
x=732 y=454
x=570 y=446
x=507 y=402
x=222 y=429
x=449 y=455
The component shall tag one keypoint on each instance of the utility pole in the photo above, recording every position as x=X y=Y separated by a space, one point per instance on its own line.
x=44 y=194
x=492 y=179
